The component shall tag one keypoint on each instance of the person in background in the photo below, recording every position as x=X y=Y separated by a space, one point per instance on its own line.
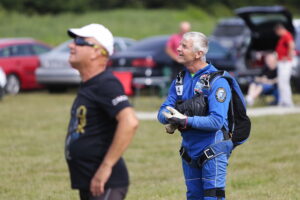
x=102 y=122
x=266 y=82
x=285 y=50
x=172 y=45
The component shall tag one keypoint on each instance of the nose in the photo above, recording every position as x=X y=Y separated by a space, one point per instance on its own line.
x=71 y=45
x=178 y=48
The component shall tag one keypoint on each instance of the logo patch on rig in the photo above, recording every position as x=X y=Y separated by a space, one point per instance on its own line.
x=204 y=80
x=221 y=95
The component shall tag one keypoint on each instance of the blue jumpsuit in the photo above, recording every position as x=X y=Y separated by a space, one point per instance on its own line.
x=204 y=131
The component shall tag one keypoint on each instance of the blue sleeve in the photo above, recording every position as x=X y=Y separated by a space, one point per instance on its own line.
x=217 y=108
x=170 y=101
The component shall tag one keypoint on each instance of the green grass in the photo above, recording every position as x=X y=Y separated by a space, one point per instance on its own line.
x=134 y=23
x=33 y=127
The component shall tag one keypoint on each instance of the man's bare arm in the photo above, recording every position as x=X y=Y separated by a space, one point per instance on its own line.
x=126 y=128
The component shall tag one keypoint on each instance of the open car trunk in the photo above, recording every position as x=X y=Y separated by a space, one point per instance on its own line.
x=261 y=20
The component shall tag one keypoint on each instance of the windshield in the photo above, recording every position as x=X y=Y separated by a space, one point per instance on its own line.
x=260 y=19
x=216 y=50
x=64 y=47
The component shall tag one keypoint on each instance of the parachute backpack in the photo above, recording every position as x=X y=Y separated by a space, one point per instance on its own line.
x=239 y=123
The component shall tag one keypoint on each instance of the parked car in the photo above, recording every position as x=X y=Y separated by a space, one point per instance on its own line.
x=55 y=71
x=150 y=64
x=231 y=33
x=19 y=60
x=250 y=36
x=261 y=20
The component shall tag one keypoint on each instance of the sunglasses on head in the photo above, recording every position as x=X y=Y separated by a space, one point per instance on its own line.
x=79 y=41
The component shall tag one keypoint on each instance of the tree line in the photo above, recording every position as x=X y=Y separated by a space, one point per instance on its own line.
x=79 y=6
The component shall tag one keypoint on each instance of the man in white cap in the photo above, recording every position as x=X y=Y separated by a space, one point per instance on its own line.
x=102 y=122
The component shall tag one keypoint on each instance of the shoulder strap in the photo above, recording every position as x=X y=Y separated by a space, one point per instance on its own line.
x=215 y=74
x=179 y=77
x=179 y=84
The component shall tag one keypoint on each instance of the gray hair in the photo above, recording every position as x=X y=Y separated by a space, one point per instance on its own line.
x=200 y=42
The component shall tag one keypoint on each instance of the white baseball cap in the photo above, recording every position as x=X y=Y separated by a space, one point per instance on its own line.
x=97 y=31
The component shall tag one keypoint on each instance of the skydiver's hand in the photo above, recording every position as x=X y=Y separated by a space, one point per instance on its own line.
x=170 y=128
x=174 y=117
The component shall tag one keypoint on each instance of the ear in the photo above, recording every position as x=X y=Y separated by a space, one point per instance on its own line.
x=198 y=54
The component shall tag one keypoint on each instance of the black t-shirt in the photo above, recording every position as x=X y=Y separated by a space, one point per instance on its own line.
x=270 y=74
x=91 y=130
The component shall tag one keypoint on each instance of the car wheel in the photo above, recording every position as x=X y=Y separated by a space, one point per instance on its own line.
x=13 y=84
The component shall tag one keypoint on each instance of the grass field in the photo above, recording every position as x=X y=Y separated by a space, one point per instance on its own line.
x=33 y=127
x=134 y=23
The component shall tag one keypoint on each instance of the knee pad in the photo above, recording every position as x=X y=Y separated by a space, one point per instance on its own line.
x=213 y=198
x=214 y=194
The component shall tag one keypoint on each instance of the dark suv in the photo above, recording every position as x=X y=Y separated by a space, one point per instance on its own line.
x=260 y=20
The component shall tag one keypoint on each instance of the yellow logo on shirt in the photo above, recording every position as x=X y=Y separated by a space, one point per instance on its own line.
x=81 y=117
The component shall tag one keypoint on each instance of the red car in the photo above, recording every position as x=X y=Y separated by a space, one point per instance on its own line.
x=19 y=60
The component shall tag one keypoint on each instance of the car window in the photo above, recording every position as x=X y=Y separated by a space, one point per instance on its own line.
x=20 y=50
x=260 y=19
x=64 y=47
x=216 y=50
x=4 y=52
x=39 y=49
x=149 y=44
x=117 y=47
x=228 y=30
x=129 y=43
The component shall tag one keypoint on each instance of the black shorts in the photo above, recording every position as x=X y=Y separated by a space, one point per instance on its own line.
x=109 y=194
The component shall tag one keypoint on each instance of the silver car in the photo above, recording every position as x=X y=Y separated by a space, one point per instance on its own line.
x=56 y=73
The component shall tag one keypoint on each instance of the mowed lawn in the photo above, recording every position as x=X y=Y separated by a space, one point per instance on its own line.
x=32 y=165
